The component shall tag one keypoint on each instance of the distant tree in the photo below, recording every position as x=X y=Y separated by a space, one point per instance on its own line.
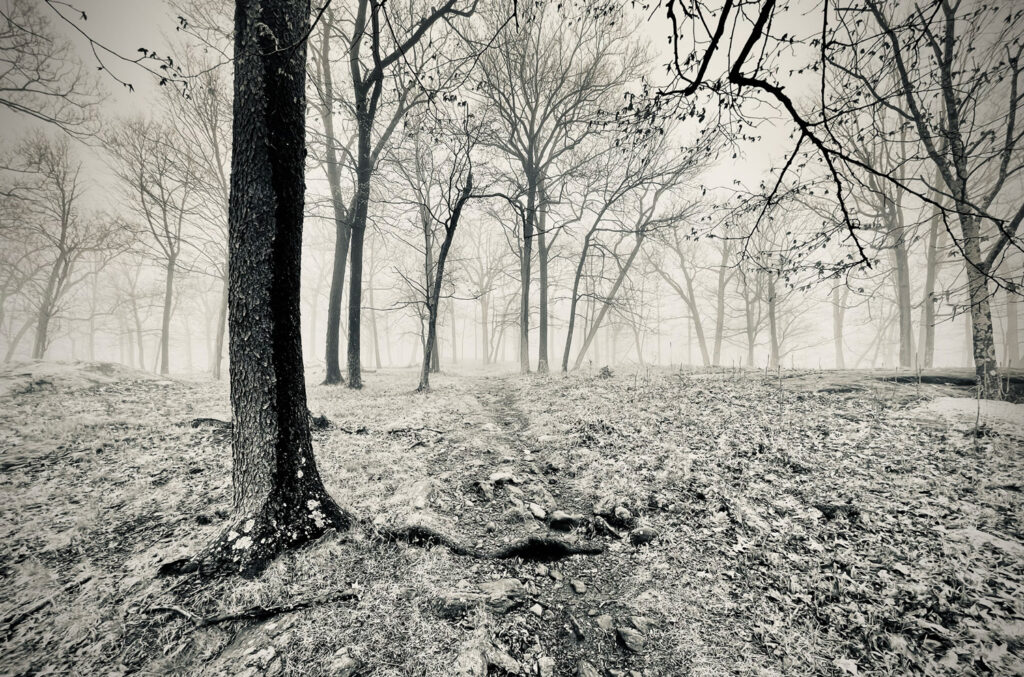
x=161 y=181
x=40 y=78
x=48 y=194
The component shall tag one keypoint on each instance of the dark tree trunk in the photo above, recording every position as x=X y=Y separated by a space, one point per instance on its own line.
x=838 y=317
x=723 y=279
x=524 y=276
x=542 y=298
x=364 y=172
x=279 y=499
x=1012 y=327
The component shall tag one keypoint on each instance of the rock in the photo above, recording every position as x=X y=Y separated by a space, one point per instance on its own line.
x=563 y=521
x=578 y=586
x=585 y=669
x=546 y=666
x=499 y=658
x=470 y=663
x=515 y=515
x=556 y=575
x=601 y=526
x=500 y=477
x=503 y=594
x=576 y=628
x=542 y=570
x=632 y=639
x=622 y=514
x=343 y=664
x=604 y=622
x=537 y=610
x=641 y=623
x=538 y=511
x=486 y=489
x=643 y=536
x=490 y=527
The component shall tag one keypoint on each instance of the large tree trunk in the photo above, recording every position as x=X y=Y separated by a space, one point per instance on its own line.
x=165 y=324
x=46 y=309
x=279 y=499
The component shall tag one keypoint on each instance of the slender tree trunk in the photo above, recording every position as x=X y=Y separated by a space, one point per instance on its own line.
x=984 y=349
x=485 y=341
x=1012 y=327
x=46 y=309
x=723 y=279
x=542 y=298
x=364 y=173
x=608 y=301
x=773 y=328
x=903 y=304
x=279 y=499
x=926 y=341
x=165 y=324
x=575 y=297
x=524 y=275
x=373 y=321
x=455 y=338
x=13 y=347
x=838 y=316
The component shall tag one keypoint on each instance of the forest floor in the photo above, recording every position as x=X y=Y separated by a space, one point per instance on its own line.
x=813 y=524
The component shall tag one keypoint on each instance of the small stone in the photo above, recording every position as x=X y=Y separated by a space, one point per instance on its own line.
x=632 y=639
x=343 y=664
x=556 y=575
x=515 y=515
x=585 y=669
x=490 y=527
x=500 y=477
x=538 y=511
x=623 y=514
x=549 y=615
x=546 y=666
x=537 y=610
x=486 y=490
x=604 y=622
x=643 y=536
x=578 y=586
x=563 y=521
x=542 y=570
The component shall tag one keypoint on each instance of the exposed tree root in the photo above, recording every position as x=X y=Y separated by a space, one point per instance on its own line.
x=258 y=612
x=531 y=548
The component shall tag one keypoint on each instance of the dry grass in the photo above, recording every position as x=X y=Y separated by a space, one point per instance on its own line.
x=106 y=480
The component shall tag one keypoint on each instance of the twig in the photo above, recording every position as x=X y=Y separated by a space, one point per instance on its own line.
x=257 y=612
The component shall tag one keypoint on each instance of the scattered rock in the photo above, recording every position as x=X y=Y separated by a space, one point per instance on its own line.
x=538 y=511
x=542 y=570
x=500 y=477
x=578 y=586
x=563 y=521
x=490 y=527
x=537 y=610
x=622 y=514
x=643 y=536
x=632 y=639
x=499 y=658
x=576 y=628
x=485 y=489
x=546 y=666
x=343 y=664
x=601 y=526
x=556 y=575
x=585 y=669
x=604 y=622
x=515 y=515
x=503 y=594
x=605 y=372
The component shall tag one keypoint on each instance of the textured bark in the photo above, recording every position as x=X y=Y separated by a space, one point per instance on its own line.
x=773 y=323
x=926 y=341
x=279 y=499
x=984 y=353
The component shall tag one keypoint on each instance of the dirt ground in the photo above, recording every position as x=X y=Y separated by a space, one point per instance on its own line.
x=749 y=524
